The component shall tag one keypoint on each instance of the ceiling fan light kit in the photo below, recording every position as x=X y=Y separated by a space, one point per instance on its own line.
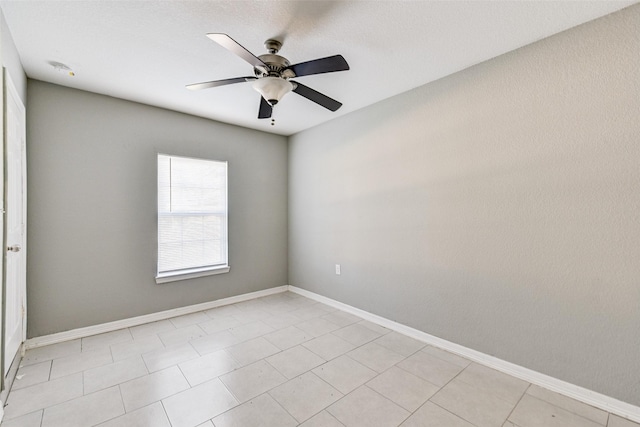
x=272 y=73
x=272 y=88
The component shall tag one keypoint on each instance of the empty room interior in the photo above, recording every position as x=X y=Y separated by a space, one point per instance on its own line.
x=320 y=213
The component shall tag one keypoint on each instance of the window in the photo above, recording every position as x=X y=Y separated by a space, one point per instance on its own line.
x=192 y=218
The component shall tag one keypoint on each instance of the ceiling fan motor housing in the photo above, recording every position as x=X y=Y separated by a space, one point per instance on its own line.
x=276 y=66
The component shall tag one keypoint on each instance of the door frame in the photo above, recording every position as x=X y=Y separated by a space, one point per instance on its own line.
x=9 y=89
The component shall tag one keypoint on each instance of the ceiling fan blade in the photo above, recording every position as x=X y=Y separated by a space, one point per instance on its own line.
x=317 y=97
x=235 y=47
x=265 y=109
x=216 y=83
x=329 y=64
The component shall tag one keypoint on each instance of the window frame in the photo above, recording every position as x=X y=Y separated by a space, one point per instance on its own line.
x=190 y=273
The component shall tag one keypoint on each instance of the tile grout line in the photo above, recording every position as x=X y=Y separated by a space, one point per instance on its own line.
x=448 y=411
x=285 y=409
x=517 y=403
x=497 y=397
x=310 y=371
x=183 y=376
x=326 y=407
x=391 y=401
x=231 y=393
x=165 y=412
x=441 y=388
x=155 y=401
x=123 y=407
x=50 y=370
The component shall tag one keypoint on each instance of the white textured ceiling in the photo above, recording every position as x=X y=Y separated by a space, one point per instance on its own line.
x=147 y=51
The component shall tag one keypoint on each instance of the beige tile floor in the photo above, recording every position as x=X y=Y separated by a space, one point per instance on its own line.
x=280 y=361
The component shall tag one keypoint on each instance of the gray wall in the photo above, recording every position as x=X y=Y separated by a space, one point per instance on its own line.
x=498 y=208
x=92 y=208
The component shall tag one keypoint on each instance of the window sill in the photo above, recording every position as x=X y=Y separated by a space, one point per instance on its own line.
x=191 y=274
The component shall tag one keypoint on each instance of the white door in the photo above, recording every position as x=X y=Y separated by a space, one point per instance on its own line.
x=15 y=273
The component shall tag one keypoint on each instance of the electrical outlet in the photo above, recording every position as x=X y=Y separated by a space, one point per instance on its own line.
x=338 y=269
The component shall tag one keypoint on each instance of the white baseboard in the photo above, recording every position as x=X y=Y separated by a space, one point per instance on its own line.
x=140 y=320
x=573 y=391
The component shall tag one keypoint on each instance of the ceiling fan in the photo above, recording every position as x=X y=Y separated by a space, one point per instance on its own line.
x=273 y=73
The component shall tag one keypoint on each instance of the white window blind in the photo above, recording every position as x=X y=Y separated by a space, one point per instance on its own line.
x=192 y=215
